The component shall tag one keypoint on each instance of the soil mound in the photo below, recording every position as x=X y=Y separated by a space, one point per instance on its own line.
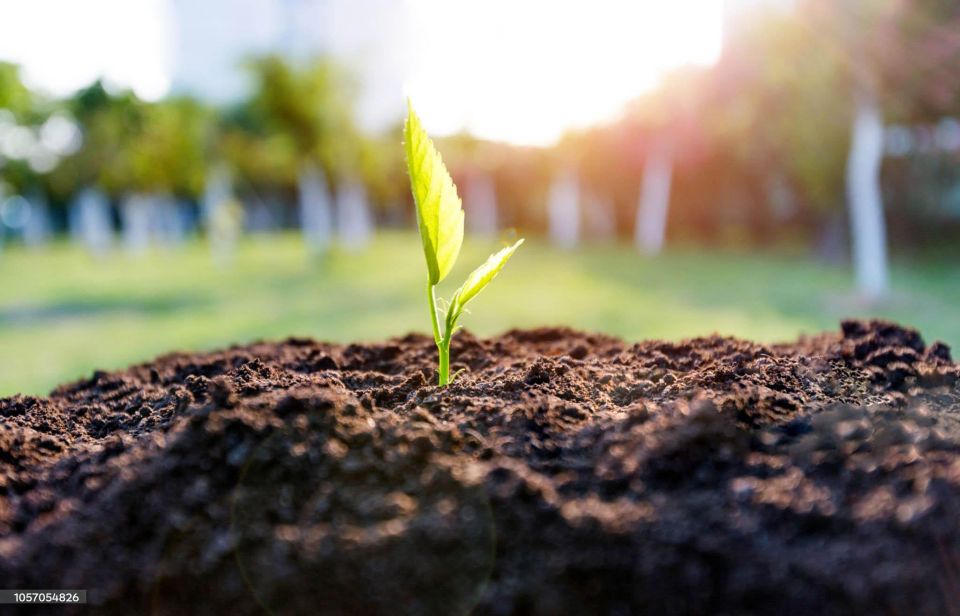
x=562 y=473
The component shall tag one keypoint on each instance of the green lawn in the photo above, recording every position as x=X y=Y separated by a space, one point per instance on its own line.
x=64 y=313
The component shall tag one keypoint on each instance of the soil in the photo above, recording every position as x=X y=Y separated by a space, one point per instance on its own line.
x=562 y=473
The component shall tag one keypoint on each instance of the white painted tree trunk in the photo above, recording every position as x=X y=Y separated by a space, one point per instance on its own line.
x=563 y=210
x=651 y=226
x=481 y=204
x=867 y=226
x=316 y=211
x=222 y=216
x=135 y=218
x=37 y=228
x=354 y=219
x=217 y=190
x=90 y=224
x=168 y=220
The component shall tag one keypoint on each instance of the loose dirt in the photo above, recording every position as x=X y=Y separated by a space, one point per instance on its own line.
x=562 y=473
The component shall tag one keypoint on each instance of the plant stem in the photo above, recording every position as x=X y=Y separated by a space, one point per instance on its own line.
x=442 y=339
x=444 y=369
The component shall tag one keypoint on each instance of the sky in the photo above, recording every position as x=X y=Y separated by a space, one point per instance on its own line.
x=64 y=45
x=524 y=71
x=515 y=70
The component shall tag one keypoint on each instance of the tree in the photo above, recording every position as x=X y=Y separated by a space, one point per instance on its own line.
x=671 y=125
x=296 y=132
x=899 y=58
x=24 y=158
x=15 y=97
x=779 y=110
x=296 y=114
x=132 y=146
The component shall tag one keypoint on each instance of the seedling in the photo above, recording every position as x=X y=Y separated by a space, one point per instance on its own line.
x=440 y=219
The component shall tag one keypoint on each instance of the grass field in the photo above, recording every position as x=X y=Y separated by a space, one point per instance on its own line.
x=64 y=313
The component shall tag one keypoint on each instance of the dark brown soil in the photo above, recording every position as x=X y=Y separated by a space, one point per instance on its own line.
x=562 y=473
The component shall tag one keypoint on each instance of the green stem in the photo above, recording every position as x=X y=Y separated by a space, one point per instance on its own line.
x=444 y=369
x=442 y=340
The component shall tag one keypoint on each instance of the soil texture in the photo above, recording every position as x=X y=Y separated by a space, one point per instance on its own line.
x=561 y=473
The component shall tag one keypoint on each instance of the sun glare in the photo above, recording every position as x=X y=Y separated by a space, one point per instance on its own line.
x=524 y=72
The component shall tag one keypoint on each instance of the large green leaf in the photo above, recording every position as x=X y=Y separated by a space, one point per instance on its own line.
x=480 y=277
x=439 y=212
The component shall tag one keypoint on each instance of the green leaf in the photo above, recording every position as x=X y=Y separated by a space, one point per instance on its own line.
x=480 y=278
x=439 y=212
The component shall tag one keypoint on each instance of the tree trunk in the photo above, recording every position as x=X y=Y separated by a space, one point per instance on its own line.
x=316 y=211
x=135 y=222
x=651 y=227
x=90 y=223
x=354 y=219
x=222 y=216
x=36 y=230
x=563 y=210
x=867 y=226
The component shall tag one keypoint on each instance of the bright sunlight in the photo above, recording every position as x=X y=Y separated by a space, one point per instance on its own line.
x=524 y=72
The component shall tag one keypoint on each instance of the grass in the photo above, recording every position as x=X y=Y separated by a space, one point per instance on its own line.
x=64 y=313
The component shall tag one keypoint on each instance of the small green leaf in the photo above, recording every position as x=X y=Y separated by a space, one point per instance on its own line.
x=480 y=277
x=439 y=212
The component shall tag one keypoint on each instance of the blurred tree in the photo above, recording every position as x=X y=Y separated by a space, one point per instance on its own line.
x=15 y=97
x=673 y=122
x=22 y=162
x=299 y=122
x=168 y=153
x=780 y=109
x=383 y=170
x=135 y=146
x=899 y=59
x=295 y=115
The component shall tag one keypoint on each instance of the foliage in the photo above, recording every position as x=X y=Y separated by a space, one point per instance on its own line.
x=758 y=141
x=439 y=211
x=797 y=114
x=131 y=145
x=295 y=114
x=14 y=95
x=440 y=220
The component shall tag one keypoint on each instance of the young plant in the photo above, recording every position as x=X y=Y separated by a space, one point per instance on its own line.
x=440 y=219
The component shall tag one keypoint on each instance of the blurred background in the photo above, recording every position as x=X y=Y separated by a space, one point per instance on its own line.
x=179 y=175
